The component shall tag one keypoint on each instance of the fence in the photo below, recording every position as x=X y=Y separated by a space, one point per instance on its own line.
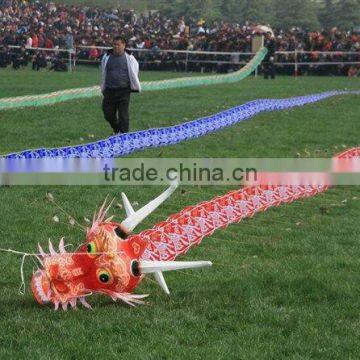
x=200 y=60
x=185 y=60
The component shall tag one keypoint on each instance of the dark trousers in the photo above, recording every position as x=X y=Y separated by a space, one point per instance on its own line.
x=116 y=109
x=269 y=69
x=38 y=64
x=19 y=62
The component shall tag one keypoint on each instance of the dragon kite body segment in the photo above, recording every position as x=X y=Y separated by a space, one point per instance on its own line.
x=113 y=262
x=125 y=144
x=93 y=91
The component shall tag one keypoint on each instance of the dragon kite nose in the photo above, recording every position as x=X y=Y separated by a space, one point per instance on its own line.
x=40 y=287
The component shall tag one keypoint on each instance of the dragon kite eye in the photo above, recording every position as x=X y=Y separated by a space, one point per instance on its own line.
x=91 y=248
x=120 y=233
x=104 y=276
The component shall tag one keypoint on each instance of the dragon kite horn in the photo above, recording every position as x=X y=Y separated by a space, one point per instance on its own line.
x=127 y=206
x=157 y=268
x=134 y=218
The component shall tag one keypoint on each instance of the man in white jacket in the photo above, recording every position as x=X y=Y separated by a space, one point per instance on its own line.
x=120 y=77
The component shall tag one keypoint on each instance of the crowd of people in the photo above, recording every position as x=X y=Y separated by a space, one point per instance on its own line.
x=38 y=24
x=21 y=57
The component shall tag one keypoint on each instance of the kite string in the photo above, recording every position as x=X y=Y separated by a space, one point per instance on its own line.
x=22 y=288
x=24 y=255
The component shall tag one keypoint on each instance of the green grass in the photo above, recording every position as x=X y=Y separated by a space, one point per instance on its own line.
x=27 y=82
x=283 y=284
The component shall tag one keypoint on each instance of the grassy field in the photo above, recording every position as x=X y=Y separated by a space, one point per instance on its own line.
x=284 y=284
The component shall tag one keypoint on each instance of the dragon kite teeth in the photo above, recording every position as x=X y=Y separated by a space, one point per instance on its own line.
x=113 y=262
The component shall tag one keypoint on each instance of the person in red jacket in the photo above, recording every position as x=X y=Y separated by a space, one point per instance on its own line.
x=49 y=44
x=94 y=53
x=35 y=41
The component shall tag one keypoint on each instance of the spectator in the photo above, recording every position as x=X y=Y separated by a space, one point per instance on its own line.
x=29 y=42
x=69 y=40
x=353 y=71
x=268 y=63
x=21 y=58
x=5 y=57
x=41 y=24
x=39 y=61
x=35 y=41
x=57 y=64
x=94 y=53
x=120 y=77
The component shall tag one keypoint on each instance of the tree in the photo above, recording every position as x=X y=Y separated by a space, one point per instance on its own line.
x=284 y=14
x=256 y=10
x=327 y=13
x=231 y=10
x=196 y=8
x=296 y=13
x=348 y=14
